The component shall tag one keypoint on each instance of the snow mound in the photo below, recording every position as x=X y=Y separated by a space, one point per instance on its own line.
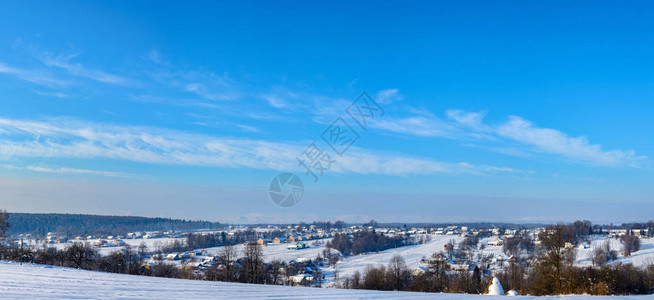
x=495 y=288
x=512 y=293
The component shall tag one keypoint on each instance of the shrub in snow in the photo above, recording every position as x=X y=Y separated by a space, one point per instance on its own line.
x=495 y=288
x=512 y=293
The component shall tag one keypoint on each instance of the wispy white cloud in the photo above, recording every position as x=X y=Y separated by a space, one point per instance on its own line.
x=52 y=94
x=84 y=140
x=388 y=96
x=67 y=171
x=248 y=128
x=274 y=101
x=204 y=84
x=418 y=125
x=285 y=99
x=202 y=91
x=470 y=119
x=39 y=77
x=362 y=162
x=556 y=142
x=507 y=170
x=77 y=69
x=156 y=57
x=527 y=137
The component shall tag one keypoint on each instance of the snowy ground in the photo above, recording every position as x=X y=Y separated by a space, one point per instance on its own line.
x=641 y=257
x=411 y=254
x=45 y=282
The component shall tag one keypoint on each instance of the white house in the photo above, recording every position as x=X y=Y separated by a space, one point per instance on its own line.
x=496 y=242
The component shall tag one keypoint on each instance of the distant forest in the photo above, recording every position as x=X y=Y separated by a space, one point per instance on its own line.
x=76 y=224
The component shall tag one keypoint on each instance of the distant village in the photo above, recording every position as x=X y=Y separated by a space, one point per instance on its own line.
x=294 y=235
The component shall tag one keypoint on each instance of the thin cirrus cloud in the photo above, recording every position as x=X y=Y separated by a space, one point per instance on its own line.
x=389 y=96
x=274 y=101
x=204 y=84
x=64 y=170
x=202 y=91
x=420 y=126
x=52 y=94
x=77 y=69
x=556 y=142
x=463 y=125
x=84 y=140
x=38 y=77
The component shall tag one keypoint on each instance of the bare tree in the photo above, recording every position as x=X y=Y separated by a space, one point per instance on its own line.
x=227 y=258
x=275 y=269
x=556 y=256
x=438 y=270
x=143 y=250
x=399 y=273
x=603 y=254
x=79 y=254
x=252 y=269
x=317 y=274
x=631 y=244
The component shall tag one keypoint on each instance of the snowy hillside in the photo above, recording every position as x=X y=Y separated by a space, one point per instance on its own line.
x=411 y=254
x=45 y=282
x=642 y=257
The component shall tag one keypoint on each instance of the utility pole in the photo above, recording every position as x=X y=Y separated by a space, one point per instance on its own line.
x=21 y=251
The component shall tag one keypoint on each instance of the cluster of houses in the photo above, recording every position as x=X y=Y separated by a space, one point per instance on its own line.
x=116 y=240
x=452 y=230
x=294 y=243
x=295 y=238
x=494 y=260
x=622 y=232
x=53 y=238
x=184 y=255
x=155 y=235
x=109 y=242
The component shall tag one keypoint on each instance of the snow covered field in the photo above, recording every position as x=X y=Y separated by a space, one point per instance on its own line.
x=411 y=254
x=641 y=257
x=45 y=282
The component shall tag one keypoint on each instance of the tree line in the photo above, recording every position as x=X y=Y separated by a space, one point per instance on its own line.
x=208 y=240
x=367 y=241
x=82 y=225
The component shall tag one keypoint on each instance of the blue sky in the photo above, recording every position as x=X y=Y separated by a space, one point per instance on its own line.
x=506 y=111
